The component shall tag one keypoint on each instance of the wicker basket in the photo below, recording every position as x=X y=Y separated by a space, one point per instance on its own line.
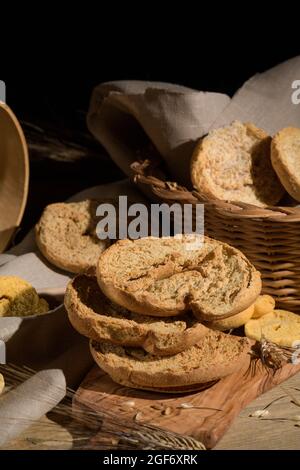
x=269 y=237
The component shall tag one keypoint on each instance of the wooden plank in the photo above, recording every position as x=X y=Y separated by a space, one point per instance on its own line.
x=245 y=433
x=230 y=395
x=248 y=433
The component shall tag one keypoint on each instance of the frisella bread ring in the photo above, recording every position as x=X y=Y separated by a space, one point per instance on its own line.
x=95 y=316
x=66 y=235
x=215 y=356
x=165 y=277
x=285 y=159
x=233 y=163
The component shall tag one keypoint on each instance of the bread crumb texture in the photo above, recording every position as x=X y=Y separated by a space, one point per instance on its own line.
x=95 y=316
x=285 y=154
x=163 y=277
x=18 y=298
x=66 y=235
x=233 y=163
x=215 y=356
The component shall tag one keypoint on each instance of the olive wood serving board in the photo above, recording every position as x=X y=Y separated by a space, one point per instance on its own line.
x=230 y=395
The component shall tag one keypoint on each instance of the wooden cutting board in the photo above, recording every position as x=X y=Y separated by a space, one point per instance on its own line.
x=230 y=395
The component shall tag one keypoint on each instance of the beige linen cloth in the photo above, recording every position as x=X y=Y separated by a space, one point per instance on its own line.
x=133 y=120
x=136 y=120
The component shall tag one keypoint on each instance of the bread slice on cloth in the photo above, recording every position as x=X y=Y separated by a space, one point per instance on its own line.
x=280 y=327
x=215 y=356
x=234 y=163
x=66 y=235
x=285 y=156
x=95 y=316
x=166 y=277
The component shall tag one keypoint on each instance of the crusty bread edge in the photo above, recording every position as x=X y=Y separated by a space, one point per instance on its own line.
x=54 y=260
x=99 y=328
x=199 y=157
x=184 y=340
x=124 y=298
x=145 y=378
x=127 y=300
x=287 y=179
x=242 y=317
x=49 y=254
x=245 y=299
x=198 y=150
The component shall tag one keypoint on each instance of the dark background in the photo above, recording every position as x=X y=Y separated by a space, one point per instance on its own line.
x=54 y=86
x=49 y=90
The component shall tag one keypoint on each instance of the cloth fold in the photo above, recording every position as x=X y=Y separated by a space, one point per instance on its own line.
x=137 y=120
x=266 y=99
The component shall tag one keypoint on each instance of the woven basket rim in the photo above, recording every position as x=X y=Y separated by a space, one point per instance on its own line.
x=144 y=173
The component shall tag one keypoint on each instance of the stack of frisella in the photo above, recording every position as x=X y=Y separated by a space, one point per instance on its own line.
x=171 y=314
x=158 y=311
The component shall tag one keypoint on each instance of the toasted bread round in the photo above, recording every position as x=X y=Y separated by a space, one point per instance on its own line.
x=285 y=155
x=215 y=356
x=235 y=321
x=280 y=327
x=167 y=277
x=263 y=304
x=95 y=316
x=233 y=163
x=66 y=235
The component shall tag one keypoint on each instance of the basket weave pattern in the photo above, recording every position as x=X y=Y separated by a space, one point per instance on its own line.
x=269 y=237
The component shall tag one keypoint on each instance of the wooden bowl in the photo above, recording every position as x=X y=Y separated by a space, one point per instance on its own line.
x=14 y=174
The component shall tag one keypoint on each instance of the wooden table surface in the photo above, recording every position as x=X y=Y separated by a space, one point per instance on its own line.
x=245 y=433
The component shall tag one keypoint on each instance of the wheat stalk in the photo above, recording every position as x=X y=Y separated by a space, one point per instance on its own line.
x=99 y=430
x=271 y=356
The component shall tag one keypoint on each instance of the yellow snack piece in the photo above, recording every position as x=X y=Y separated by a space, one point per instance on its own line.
x=4 y=306
x=263 y=304
x=280 y=327
x=233 y=322
x=2 y=383
x=42 y=307
x=18 y=298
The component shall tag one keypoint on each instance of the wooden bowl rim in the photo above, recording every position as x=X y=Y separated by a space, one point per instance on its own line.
x=10 y=116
